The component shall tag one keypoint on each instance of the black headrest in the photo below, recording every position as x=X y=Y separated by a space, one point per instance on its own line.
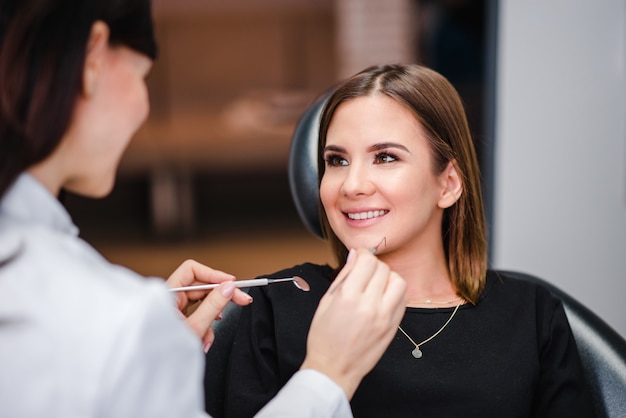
x=302 y=168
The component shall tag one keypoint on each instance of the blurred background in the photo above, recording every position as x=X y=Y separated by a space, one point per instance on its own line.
x=544 y=85
x=206 y=177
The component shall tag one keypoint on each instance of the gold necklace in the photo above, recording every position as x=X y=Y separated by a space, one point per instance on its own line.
x=433 y=302
x=417 y=353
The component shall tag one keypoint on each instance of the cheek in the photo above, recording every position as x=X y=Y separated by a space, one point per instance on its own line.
x=132 y=96
x=327 y=193
x=134 y=114
x=142 y=104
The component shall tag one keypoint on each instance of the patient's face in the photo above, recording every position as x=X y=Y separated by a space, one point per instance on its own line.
x=378 y=181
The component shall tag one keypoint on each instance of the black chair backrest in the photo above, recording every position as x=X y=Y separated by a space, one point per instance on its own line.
x=302 y=167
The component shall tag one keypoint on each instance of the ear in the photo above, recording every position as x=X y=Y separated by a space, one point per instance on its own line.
x=95 y=55
x=452 y=186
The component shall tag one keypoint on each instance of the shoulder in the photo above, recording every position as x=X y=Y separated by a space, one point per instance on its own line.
x=287 y=296
x=508 y=284
x=317 y=276
x=95 y=317
x=523 y=298
x=78 y=290
x=310 y=270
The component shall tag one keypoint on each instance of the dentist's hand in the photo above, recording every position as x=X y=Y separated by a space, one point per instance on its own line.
x=356 y=320
x=191 y=273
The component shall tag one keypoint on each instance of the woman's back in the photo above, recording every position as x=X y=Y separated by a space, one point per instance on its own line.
x=83 y=335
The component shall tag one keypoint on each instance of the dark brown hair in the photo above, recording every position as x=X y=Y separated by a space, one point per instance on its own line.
x=42 y=53
x=438 y=107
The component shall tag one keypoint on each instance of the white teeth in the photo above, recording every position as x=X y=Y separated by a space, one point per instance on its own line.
x=367 y=215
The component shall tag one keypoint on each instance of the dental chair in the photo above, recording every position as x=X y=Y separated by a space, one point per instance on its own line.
x=602 y=349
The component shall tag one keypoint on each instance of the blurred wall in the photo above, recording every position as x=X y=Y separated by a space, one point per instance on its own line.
x=372 y=32
x=560 y=164
x=230 y=83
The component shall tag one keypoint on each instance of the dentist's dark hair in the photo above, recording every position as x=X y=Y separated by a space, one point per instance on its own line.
x=42 y=53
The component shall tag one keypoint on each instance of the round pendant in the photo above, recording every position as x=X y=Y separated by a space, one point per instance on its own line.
x=417 y=353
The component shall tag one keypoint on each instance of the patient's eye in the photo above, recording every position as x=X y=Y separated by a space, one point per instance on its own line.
x=335 y=160
x=385 y=158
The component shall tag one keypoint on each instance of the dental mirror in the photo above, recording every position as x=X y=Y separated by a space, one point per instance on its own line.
x=298 y=281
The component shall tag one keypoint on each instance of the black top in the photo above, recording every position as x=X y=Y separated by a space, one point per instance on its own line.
x=511 y=355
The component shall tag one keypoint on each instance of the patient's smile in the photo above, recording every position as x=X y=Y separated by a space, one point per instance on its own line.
x=367 y=215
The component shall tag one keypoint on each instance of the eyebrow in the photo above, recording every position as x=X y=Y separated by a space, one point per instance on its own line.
x=376 y=147
x=385 y=145
x=333 y=148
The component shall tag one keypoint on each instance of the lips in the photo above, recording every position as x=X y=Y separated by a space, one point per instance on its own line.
x=370 y=214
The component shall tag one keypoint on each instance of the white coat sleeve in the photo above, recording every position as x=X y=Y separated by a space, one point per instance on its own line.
x=308 y=394
x=156 y=368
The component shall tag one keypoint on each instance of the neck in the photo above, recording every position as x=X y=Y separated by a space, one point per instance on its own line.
x=46 y=174
x=427 y=277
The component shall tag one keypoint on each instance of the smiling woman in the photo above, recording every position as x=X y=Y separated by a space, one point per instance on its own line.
x=419 y=110
x=398 y=174
x=379 y=180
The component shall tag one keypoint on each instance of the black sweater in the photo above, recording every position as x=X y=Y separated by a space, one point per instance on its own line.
x=510 y=355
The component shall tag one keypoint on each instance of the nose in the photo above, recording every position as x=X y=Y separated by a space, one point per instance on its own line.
x=357 y=181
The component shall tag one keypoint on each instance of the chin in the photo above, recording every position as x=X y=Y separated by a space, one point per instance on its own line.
x=366 y=242
x=93 y=191
x=100 y=195
x=103 y=191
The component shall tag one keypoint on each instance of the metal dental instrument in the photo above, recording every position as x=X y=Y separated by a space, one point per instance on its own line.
x=298 y=281
x=375 y=249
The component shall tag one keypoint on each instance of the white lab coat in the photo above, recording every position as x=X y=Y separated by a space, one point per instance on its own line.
x=81 y=337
